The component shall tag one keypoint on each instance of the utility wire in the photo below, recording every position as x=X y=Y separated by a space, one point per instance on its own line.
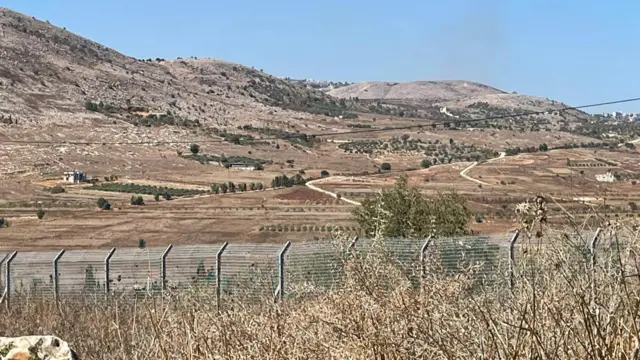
x=327 y=134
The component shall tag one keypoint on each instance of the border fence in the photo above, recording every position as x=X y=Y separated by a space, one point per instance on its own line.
x=246 y=271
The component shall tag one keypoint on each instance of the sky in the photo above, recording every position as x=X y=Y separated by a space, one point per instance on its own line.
x=578 y=52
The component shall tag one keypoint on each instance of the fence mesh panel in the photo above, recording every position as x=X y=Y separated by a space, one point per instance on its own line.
x=136 y=271
x=32 y=274
x=313 y=266
x=82 y=272
x=191 y=265
x=249 y=272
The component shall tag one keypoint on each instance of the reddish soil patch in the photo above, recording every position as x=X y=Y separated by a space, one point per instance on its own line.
x=304 y=194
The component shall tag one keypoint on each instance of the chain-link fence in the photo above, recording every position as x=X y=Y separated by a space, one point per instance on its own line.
x=248 y=271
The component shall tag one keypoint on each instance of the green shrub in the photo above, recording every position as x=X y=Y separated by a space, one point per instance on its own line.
x=385 y=166
x=194 y=148
x=156 y=196
x=56 y=189
x=137 y=200
x=40 y=213
x=4 y=223
x=101 y=202
x=142 y=244
x=409 y=213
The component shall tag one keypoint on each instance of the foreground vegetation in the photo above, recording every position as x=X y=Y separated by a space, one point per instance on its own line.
x=560 y=307
x=557 y=300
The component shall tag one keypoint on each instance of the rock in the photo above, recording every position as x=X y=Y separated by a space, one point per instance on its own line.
x=35 y=348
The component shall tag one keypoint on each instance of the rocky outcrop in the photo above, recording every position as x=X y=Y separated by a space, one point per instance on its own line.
x=35 y=348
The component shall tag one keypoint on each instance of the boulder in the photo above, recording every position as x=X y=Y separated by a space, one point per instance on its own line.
x=35 y=348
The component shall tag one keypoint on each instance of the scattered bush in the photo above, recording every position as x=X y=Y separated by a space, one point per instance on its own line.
x=385 y=166
x=40 y=213
x=194 y=148
x=4 y=223
x=137 y=200
x=56 y=189
x=285 y=181
x=324 y=173
x=142 y=244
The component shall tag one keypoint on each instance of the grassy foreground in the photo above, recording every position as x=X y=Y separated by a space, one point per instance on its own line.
x=561 y=307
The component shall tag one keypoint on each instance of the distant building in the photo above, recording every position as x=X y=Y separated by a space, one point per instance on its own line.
x=242 y=166
x=75 y=176
x=606 y=177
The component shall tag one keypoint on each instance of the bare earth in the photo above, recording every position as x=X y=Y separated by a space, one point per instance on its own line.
x=69 y=103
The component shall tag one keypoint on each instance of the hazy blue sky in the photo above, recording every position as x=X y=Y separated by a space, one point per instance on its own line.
x=575 y=51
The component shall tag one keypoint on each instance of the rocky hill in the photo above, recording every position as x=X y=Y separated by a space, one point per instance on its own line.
x=48 y=74
x=420 y=90
x=457 y=99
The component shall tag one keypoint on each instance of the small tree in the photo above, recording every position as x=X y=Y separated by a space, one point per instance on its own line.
x=142 y=244
x=4 y=223
x=426 y=163
x=215 y=188
x=385 y=166
x=136 y=200
x=101 y=202
x=195 y=149
x=156 y=196
x=40 y=213
x=224 y=188
x=403 y=212
x=166 y=195
x=324 y=173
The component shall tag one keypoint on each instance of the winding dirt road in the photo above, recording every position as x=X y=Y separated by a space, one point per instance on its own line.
x=463 y=173
x=310 y=185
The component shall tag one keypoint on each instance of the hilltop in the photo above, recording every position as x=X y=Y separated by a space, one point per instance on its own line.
x=420 y=90
x=48 y=74
x=459 y=99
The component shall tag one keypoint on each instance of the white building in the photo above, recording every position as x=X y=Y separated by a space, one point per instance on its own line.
x=75 y=176
x=242 y=166
x=606 y=177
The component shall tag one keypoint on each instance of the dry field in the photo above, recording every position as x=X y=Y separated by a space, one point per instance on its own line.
x=513 y=179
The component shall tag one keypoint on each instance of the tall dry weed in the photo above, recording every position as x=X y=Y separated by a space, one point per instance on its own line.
x=564 y=305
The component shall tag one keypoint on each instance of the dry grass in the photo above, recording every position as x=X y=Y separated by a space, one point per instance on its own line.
x=561 y=307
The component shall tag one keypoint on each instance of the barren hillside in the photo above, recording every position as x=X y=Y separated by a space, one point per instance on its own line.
x=457 y=99
x=47 y=74
x=421 y=90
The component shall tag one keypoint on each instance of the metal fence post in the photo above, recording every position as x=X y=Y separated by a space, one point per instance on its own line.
x=512 y=258
x=592 y=247
x=280 y=290
x=352 y=245
x=55 y=278
x=423 y=251
x=218 y=272
x=7 y=279
x=163 y=267
x=107 y=272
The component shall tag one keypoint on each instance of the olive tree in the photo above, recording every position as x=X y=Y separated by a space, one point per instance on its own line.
x=403 y=212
